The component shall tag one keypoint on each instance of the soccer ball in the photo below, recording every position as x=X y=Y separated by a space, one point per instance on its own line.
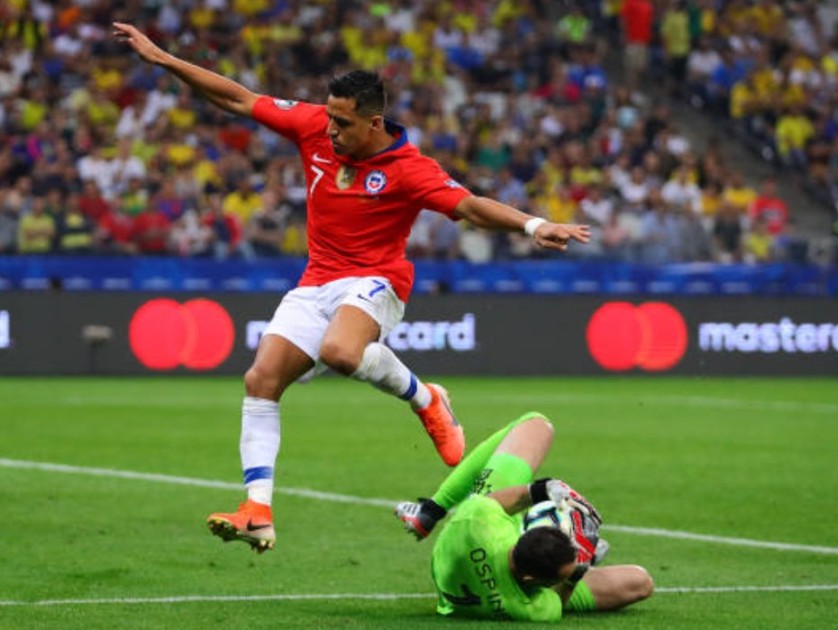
x=546 y=514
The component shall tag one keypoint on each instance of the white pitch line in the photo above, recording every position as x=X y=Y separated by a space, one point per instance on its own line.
x=388 y=503
x=188 y=481
x=288 y=597
x=740 y=542
x=188 y=599
x=787 y=588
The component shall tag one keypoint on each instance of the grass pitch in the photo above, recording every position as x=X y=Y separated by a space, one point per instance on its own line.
x=725 y=489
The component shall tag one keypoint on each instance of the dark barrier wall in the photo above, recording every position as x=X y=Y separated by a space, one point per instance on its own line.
x=136 y=333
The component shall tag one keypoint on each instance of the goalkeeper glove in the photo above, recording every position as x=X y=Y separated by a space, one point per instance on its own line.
x=584 y=516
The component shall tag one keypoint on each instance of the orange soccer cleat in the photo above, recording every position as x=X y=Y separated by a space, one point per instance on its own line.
x=442 y=426
x=252 y=523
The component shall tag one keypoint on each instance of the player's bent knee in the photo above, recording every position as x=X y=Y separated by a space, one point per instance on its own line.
x=538 y=427
x=259 y=383
x=339 y=358
x=546 y=425
x=641 y=585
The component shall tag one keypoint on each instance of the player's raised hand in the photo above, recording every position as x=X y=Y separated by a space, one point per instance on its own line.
x=140 y=42
x=558 y=235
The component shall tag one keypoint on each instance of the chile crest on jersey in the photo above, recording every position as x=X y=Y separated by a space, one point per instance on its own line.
x=374 y=182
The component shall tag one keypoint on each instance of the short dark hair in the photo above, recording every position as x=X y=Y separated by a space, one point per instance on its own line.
x=541 y=551
x=366 y=88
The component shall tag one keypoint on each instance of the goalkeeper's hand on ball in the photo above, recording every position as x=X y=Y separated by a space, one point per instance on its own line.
x=584 y=516
x=564 y=496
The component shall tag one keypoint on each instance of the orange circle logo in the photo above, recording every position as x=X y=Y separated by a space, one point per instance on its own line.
x=651 y=336
x=198 y=334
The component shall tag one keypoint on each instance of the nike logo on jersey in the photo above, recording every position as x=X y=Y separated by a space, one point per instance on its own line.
x=316 y=157
x=252 y=528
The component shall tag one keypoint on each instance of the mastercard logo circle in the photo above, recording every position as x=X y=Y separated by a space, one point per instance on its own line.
x=165 y=334
x=622 y=336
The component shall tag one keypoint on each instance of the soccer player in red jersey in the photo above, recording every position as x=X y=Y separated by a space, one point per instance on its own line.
x=366 y=185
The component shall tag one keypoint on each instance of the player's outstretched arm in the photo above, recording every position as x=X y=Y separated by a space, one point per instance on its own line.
x=219 y=90
x=488 y=213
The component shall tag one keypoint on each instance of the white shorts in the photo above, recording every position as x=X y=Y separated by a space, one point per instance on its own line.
x=305 y=313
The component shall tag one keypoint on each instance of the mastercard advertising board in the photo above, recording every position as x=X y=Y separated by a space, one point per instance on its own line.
x=218 y=333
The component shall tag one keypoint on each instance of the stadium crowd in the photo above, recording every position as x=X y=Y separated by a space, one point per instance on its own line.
x=771 y=69
x=101 y=155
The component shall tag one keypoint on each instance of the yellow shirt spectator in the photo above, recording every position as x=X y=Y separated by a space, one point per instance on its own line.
x=253 y=35
x=505 y=11
x=418 y=41
x=711 y=201
x=35 y=233
x=242 y=204
x=675 y=30
x=135 y=199
x=739 y=196
x=793 y=132
x=101 y=111
x=829 y=64
x=466 y=22
x=205 y=172
x=294 y=240
x=353 y=39
x=553 y=174
x=182 y=118
x=585 y=175
x=758 y=245
x=180 y=154
x=734 y=18
x=284 y=33
x=742 y=99
x=249 y=8
x=144 y=150
x=107 y=79
x=792 y=95
x=765 y=81
x=559 y=207
x=769 y=20
x=708 y=20
x=430 y=68
x=202 y=17
x=32 y=113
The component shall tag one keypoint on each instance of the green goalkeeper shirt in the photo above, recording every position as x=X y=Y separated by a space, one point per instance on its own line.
x=470 y=567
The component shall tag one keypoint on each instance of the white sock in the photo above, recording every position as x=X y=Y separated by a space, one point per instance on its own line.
x=259 y=447
x=382 y=368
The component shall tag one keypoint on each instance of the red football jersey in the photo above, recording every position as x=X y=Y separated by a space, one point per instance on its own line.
x=359 y=212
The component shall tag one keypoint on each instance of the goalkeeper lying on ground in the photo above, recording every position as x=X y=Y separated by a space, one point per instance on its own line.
x=483 y=566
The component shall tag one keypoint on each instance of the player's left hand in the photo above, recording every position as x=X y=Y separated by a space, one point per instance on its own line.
x=584 y=516
x=563 y=495
x=558 y=235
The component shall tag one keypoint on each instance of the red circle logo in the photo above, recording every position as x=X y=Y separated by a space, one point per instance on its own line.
x=198 y=334
x=651 y=336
